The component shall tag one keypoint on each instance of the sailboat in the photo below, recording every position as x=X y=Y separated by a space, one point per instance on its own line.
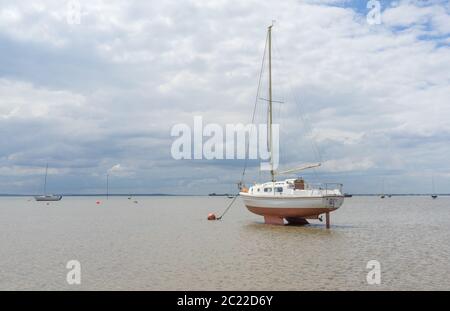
x=434 y=195
x=47 y=197
x=293 y=200
x=382 y=192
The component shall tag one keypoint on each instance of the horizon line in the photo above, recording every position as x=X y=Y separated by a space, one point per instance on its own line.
x=209 y=194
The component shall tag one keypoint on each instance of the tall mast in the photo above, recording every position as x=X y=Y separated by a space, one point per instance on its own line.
x=45 y=180
x=270 y=103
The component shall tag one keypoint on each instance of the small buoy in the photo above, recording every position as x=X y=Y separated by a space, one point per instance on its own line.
x=135 y=202
x=98 y=202
x=211 y=216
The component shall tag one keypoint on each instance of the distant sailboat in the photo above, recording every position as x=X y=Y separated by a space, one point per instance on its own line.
x=47 y=197
x=382 y=190
x=434 y=195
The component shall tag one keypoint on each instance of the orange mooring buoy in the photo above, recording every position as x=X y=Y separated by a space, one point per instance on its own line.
x=211 y=216
x=98 y=202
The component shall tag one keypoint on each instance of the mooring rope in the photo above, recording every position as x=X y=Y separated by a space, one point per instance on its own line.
x=226 y=210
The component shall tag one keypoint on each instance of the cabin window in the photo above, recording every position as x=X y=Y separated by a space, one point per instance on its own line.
x=267 y=189
x=279 y=189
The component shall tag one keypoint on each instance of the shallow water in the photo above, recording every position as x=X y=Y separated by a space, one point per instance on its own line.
x=166 y=243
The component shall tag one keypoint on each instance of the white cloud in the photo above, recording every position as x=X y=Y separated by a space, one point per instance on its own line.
x=348 y=165
x=120 y=170
x=344 y=137
x=411 y=13
x=23 y=100
x=26 y=171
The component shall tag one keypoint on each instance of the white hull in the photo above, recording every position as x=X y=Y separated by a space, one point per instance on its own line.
x=276 y=208
x=330 y=202
x=48 y=197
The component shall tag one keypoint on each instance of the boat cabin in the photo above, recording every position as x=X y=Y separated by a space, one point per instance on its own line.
x=288 y=186
x=294 y=186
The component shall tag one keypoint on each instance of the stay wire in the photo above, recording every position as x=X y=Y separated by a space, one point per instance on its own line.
x=250 y=133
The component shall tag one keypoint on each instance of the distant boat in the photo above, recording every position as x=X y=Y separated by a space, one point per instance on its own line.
x=220 y=195
x=47 y=197
x=382 y=196
x=434 y=195
x=347 y=195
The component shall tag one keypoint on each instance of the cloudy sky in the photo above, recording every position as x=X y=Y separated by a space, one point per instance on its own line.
x=371 y=101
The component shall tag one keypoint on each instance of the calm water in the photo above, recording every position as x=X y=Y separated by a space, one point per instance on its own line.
x=167 y=243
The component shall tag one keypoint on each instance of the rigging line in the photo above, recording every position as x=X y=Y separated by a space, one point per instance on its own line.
x=307 y=128
x=253 y=120
x=254 y=108
x=278 y=108
x=228 y=207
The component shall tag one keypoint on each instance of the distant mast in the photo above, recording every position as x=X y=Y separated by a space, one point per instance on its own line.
x=45 y=180
x=107 y=186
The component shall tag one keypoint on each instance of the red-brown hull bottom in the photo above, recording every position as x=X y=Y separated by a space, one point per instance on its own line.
x=290 y=212
x=298 y=216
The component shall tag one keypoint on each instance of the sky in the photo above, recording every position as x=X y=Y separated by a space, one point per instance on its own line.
x=370 y=101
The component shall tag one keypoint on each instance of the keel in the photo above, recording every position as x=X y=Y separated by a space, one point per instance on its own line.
x=273 y=220
x=297 y=221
